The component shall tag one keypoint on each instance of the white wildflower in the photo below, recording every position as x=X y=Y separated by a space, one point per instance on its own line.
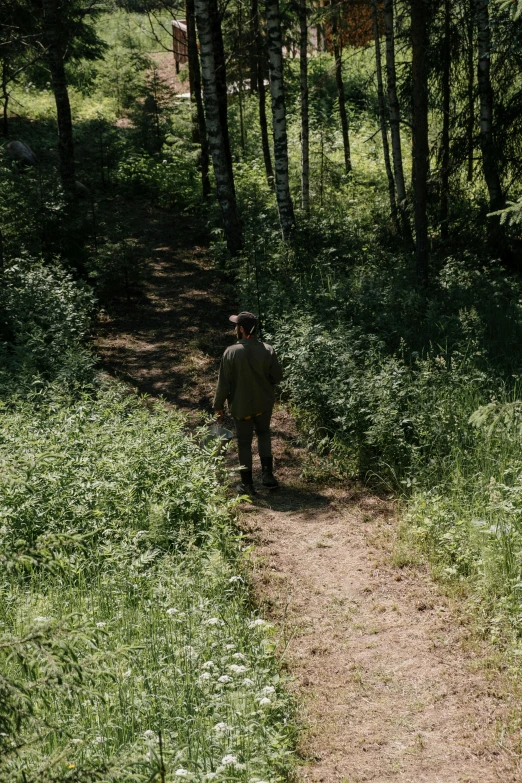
x=229 y=760
x=237 y=669
x=209 y=665
x=235 y=579
x=205 y=676
x=239 y=657
x=248 y=683
x=172 y=611
x=230 y=646
x=225 y=678
x=127 y=674
x=221 y=728
x=42 y=619
x=182 y=773
x=268 y=690
x=214 y=621
x=259 y=623
x=480 y=523
x=190 y=652
x=101 y=625
x=149 y=734
x=99 y=740
x=264 y=702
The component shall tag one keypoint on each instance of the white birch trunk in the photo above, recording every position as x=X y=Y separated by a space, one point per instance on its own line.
x=216 y=136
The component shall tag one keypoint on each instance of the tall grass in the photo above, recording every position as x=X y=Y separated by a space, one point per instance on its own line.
x=128 y=646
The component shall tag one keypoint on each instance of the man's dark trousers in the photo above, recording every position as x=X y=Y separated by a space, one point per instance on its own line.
x=245 y=433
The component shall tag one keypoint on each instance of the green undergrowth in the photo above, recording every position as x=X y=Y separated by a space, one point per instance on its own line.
x=412 y=391
x=129 y=647
x=128 y=644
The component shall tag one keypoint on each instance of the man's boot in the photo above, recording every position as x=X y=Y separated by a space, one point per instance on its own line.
x=247 y=484
x=268 y=478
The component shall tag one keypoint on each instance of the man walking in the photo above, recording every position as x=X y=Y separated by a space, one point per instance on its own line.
x=248 y=374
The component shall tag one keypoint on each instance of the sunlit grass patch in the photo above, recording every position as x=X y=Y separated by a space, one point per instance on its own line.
x=127 y=640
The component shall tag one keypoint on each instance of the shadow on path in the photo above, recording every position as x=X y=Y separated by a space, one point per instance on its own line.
x=170 y=341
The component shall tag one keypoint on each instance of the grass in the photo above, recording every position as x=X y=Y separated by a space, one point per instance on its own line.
x=128 y=644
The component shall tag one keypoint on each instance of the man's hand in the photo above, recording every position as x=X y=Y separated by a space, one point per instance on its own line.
x=220 y=416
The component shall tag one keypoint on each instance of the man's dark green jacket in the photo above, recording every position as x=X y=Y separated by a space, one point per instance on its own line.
x=248 y=374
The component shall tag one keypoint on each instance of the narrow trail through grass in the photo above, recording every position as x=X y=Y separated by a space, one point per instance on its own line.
x=393 y=685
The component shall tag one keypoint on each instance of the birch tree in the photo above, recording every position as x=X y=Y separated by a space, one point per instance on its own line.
x=216 y=135
x=277 y=90
x=220 y=75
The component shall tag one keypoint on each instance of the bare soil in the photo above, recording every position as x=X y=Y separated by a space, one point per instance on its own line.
x=392 y=683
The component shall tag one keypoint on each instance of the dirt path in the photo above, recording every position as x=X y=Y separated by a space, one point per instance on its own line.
x=392 y=685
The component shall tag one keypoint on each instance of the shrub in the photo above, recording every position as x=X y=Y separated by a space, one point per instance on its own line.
x=45 y=317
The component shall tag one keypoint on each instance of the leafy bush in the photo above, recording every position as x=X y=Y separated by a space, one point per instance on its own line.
x=45 y=316
x=398 y=421
x=171 y=180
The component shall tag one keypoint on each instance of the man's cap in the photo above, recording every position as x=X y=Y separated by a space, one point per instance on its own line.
x=244 y=319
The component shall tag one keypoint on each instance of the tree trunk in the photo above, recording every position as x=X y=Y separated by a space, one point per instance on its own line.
x=395 y=115
x=489 y=160
x=305 y=135
x=254 y=53
x=5 y=97
x=55 y=59
x=220 y=76
x=216 y=134
x=419 y=41
x=240 y=74
x=382 y=116
x=446 y=101
x=199 y=128
x=471 y=93
x=340 y=93
x=277 y=90
x=261 y=92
